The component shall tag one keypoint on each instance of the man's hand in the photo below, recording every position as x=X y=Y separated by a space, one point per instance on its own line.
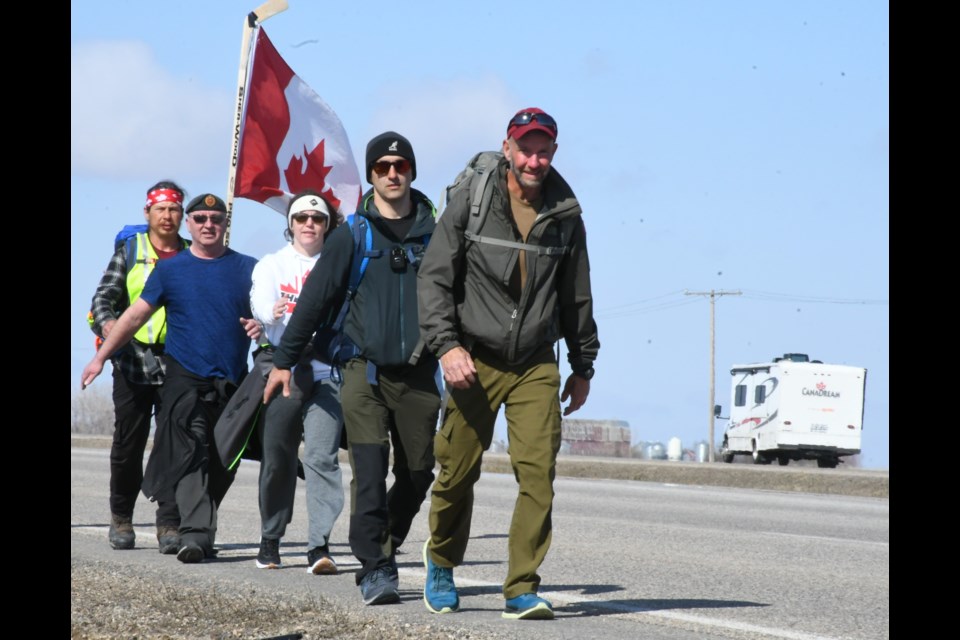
x=276 y=378
x=90 y=373
x=458 y=368
x=577 y=389
x=253 y=328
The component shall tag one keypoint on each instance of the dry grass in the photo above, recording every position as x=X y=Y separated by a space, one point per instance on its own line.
x=109 y=601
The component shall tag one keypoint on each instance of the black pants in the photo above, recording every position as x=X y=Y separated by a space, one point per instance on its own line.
x=401 y=409
x=133 y=407
x=184 y=462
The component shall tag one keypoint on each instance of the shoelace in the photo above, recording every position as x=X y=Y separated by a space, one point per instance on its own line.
x=442 y=579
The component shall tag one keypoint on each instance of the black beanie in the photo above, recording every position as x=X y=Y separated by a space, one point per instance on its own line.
x=390 y=143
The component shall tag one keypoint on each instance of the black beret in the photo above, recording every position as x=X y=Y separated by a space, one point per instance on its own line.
x=206 y=202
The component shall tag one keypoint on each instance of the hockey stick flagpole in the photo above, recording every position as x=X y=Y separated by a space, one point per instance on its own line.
x=268 y=9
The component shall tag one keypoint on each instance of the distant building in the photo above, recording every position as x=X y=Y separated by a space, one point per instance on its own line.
x=595 y=438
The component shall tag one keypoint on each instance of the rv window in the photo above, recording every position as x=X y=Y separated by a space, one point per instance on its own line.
x=741 y=397
x=759 y=394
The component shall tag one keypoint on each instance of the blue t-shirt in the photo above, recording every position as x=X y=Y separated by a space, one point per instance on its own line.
x=205 y=300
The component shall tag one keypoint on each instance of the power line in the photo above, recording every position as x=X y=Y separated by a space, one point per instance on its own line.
x=640 y=310
x=787 y=297
x=663 y=302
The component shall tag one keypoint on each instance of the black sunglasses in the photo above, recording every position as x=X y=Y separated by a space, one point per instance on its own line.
x=215 y=218
x=522 y=119
x=382 y=167
x=318 y=218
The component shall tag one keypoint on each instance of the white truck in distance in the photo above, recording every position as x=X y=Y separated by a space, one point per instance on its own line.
x=794 y=409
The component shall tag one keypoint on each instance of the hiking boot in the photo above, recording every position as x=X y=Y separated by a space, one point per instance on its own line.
x=269 y=556
x=319 y=561
x=380 y=586
x=439 y=591
x=121 y=535
x=528 y=606
x=190 y=553
x=168 y=537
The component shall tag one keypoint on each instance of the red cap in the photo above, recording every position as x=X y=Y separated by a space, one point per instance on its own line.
x=516 y=129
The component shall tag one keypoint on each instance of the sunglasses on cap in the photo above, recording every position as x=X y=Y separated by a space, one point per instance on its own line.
x=382 y=167
x=522 y=119
x=318 y=218
x=215 y=218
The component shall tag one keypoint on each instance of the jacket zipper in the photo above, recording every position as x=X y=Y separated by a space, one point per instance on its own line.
x=513 y=338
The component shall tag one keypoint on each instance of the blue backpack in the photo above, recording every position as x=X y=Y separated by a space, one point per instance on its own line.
x=128 y=236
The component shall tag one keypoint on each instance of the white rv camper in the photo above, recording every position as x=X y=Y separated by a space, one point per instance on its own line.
x=794 y=409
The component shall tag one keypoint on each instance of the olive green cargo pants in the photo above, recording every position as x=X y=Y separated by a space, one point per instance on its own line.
x=530 y=396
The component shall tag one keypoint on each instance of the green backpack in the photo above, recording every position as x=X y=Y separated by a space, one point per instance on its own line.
x=477 y=177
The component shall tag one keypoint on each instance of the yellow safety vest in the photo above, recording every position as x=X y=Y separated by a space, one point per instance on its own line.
x=144 y=260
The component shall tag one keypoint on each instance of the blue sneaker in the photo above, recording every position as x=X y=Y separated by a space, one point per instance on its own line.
x=439 y=592
x=380 y=587
x=528 y=606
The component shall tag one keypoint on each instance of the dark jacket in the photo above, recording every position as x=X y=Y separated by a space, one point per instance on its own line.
x=464 y=286
x=189 y=400
x=382 y=320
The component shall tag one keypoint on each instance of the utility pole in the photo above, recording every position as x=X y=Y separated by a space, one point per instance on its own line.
x=713 y=295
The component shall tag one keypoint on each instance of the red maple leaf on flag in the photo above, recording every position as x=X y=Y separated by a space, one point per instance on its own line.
x=312 y=176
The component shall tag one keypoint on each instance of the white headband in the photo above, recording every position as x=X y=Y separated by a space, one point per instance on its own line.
x=307 y=203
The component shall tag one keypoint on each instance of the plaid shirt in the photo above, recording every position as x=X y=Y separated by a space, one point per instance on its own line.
x=109 y=302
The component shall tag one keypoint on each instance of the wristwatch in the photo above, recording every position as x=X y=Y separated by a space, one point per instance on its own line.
x=586 y=374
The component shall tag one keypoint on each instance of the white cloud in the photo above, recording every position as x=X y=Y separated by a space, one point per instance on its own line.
x=132 y=119
x=445 y=121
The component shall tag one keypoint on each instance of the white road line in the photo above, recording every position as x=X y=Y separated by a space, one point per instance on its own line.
x=628 y=611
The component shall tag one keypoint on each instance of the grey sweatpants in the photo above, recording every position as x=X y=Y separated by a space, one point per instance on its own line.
x=317 y=419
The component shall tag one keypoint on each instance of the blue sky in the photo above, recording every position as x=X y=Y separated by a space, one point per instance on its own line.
x=725 y=146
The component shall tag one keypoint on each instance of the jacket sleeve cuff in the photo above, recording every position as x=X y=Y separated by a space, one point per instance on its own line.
x=447 y=346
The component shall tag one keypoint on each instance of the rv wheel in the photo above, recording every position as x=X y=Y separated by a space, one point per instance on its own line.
x=725 y=454
x=759 y=458
x=827 y=463
x=784 y=460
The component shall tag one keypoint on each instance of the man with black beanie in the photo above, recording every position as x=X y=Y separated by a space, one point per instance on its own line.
x=389 y=391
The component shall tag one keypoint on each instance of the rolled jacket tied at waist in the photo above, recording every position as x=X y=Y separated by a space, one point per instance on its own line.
x=191 y=404
x=235 y=434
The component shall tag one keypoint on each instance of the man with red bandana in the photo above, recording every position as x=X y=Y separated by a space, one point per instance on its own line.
x=491 y=308
x=138 y=369
x=205 y=291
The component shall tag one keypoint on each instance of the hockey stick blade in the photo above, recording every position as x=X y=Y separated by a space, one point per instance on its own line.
x=268 y=9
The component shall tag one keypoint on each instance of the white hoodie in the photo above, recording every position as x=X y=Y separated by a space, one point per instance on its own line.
x=277 y=275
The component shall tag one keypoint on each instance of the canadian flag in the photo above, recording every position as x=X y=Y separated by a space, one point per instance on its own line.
x=290 y=139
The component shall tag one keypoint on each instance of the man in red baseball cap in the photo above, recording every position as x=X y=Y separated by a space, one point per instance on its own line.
x=491 y=308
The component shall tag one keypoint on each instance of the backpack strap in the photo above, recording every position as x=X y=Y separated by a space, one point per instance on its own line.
x=362 y=252
x=539 y=250
x=482 y=193
x=130 y=248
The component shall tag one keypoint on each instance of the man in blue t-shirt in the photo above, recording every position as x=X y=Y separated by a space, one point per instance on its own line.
x=206 y=293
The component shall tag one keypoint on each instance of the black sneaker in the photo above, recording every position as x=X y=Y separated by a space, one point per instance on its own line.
x=269 y=556
x=319 y=561
x=380 y=586
x=168 y=538
x=121 y=535
x=190 y=553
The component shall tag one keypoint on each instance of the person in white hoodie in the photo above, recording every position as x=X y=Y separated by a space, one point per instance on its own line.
x=312 y=412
